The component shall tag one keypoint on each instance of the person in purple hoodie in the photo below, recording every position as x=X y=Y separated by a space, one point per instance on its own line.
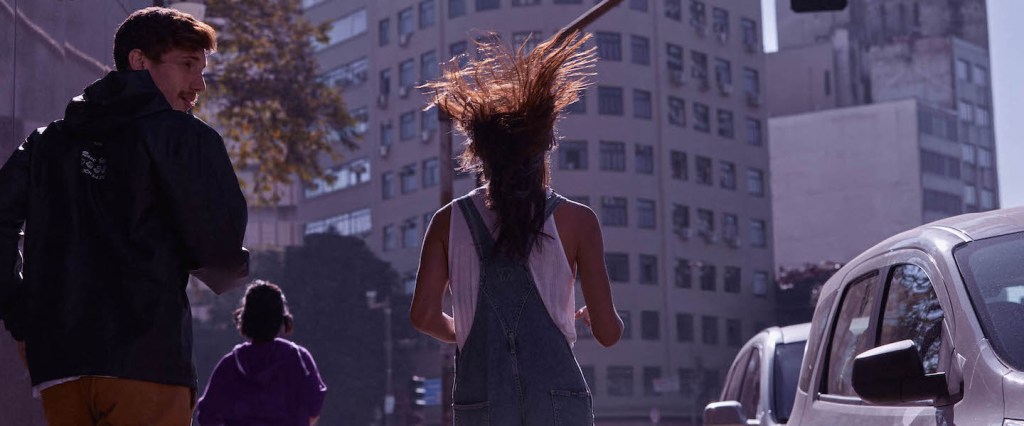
x=266 y=380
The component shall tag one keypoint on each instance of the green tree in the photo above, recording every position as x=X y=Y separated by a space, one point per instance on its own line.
x=281 y=120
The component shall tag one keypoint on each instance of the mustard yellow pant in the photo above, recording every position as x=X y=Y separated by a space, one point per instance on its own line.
x=107 y=401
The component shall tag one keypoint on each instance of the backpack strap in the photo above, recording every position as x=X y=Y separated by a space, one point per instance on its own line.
x=481 y=235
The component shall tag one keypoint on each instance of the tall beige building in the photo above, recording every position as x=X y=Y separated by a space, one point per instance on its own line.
x=668 y=146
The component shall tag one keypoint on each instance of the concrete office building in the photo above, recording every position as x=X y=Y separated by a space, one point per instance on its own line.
x=830 y=66
x=668 y=147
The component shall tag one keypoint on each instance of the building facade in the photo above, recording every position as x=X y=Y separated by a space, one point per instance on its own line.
x=830 y=66
x=668 y=147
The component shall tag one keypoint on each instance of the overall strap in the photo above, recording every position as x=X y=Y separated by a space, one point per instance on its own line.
x=481 y=235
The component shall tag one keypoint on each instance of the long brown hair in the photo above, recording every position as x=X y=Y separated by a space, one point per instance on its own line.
x=507 y=103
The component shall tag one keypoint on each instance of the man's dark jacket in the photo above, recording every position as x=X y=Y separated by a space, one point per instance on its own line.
x=119 y=201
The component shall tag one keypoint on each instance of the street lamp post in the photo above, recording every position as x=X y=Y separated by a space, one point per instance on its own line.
x=389 y=394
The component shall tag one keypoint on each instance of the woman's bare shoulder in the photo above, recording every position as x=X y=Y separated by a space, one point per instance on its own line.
x=575 y=215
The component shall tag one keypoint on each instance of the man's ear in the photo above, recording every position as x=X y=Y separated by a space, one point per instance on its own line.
x=137 y=60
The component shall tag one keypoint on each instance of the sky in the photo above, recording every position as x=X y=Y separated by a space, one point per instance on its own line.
x=1007 y=89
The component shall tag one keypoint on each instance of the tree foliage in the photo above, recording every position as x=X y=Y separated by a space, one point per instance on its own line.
x=798 y=290
x=280 y=119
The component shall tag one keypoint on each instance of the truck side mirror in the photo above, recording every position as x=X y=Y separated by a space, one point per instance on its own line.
x=724 y=413
x=894 y=373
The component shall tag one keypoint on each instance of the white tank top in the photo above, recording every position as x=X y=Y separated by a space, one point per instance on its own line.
x=550 y=270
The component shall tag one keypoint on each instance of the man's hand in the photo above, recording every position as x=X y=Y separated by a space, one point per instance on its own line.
x=21 y=353
x=584 y=314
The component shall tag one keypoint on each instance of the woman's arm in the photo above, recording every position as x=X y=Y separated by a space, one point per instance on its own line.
x=427 y=314
x=599 y=311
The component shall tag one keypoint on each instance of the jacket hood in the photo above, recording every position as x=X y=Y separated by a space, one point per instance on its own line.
x=257 y=362
x=113 y=101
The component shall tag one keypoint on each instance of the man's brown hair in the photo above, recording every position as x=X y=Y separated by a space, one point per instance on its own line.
x=157 y=30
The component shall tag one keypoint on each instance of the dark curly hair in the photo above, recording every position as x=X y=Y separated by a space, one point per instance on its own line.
x=263 y=313
x=157 y=30
x=507 y=103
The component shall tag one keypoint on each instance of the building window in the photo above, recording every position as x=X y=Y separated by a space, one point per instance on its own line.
x=390 y=237
x=676 y=111
x=684 y=328
x=429 y=67
x=406 y=24
x=732 y=279
x=755 y=182
x=408 y=178
x=589 y=375
x=725 y=124
x=609 y=46
x=980 y=75
x=704 y=172
x=627 y=324
x=965 y=110
x=568 y=1
x=687 y=383
x=758 y=233
x=650 y=375
x=720 y=23
x=613 y=156
x=582 y=199
x=723 y=76
x=648 y=269
x=410 y=233
x=678 y=165
x=730 y=227
x=650 y=325
x=674 y=10
x=699 y=70
x=709 y=330
x=456 y=8
x=728 y=175
x=733 y=332
x=620 y=381
x=360 y=123
x=644 y=159
x=520 y=3
x=754 y=132
x=609 y=100
x=942 y=202
x=458 y=50
x=618 y=267
x=431 y=172
x=407 y=125
x=760 y=283
x=384 y=32
x=645 y=214
x=428 y=120
x=641 y=104
x=387 y=185
x=640 y=50
x=580 y=106
x=683 y=274
x=353 y=173
x=701 y=117
x=749 y=34
x=708 y=277
x=385 y=82
x=572 y=155
x=963 y=70
x=638 y=5
x=674 y=59
x=613 y=211
x=482 y=5
x=528 y=40
x=428 y=14
x=407 y=74
x=680 y=219
x=751 y=83
x=349 y=75
x=358 y=222
x=344 y=29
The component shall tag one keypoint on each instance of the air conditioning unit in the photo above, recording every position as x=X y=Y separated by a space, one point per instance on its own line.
x=725 y=89
x=723 y=36
x=403 y=91
x=684 y=233
x=709 y=236
x=733 y=241
x=382 y=101
x=754 y=99
x=385 y=150
x=751 y=45
x=426 y=135
x=403 y=39
x=676 y=77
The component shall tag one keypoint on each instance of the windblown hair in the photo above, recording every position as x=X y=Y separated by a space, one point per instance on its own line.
x=507 y=104
x=263 y=313
x=157 y=30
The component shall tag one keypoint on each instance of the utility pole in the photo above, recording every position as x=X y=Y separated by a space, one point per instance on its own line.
x=447 y=190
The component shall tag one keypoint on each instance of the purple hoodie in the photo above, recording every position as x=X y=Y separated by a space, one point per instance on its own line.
x=273 y=383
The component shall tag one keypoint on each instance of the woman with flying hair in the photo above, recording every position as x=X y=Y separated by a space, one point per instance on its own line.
x=510 y=251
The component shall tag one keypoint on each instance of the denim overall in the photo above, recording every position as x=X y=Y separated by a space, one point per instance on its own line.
x=515 y=367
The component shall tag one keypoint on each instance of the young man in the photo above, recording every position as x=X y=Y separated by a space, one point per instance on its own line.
x=118 y=203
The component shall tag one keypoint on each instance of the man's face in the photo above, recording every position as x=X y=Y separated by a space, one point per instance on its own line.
x=178 y=75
